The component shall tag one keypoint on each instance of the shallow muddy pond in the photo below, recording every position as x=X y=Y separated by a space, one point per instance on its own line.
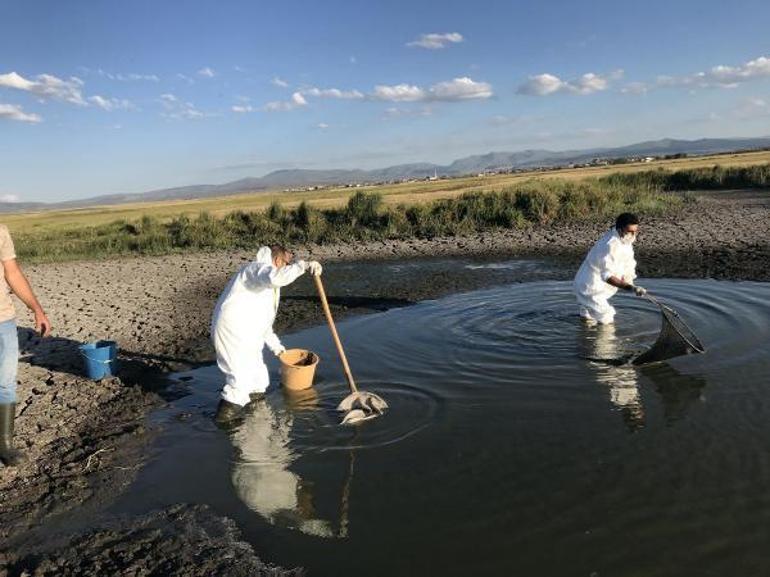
x=505 y=451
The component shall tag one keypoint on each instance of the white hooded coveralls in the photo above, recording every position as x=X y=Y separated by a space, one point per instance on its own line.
x=610 y=256
x=242 y=324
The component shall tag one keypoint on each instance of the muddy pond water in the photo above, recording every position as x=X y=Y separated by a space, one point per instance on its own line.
x=505 y=451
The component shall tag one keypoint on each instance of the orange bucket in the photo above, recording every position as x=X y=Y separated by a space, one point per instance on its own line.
x=298 y=369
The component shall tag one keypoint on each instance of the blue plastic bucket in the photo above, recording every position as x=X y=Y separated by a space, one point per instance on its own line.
x=100 y=359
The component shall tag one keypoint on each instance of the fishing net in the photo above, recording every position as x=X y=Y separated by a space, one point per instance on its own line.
x=675 y=339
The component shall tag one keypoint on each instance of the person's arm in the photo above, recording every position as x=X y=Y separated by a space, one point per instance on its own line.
x=273 y=342
x=608 y=266
x=280 y=277
x=627 y=286
x=626 y=282
x=619 y=283
x=19 y=284
x=260 y=275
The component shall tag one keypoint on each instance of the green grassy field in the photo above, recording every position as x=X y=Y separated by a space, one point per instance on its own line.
x=412 y=210
x=410 y=193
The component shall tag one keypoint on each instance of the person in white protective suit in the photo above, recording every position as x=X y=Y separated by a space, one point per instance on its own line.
x=609 y=266
x=242 y=324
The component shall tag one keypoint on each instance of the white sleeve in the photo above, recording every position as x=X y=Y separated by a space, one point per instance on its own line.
x=259 y=275
x=607 y=261
x=272 y=341
x=629 y=271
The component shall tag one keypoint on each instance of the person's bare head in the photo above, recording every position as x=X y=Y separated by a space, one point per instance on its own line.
x=627 y=223
x=281 y=255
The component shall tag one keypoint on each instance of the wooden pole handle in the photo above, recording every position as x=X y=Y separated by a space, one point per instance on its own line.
x=322 y=293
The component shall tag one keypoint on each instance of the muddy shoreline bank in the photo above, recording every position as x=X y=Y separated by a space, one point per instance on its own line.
x=85 y=439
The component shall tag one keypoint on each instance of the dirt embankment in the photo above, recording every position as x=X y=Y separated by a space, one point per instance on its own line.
x=84 y=439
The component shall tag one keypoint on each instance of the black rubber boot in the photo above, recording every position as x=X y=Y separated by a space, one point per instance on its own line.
x=228 y=414
x=8 y=455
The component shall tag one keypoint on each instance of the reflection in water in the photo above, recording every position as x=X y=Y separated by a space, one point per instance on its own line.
x=678 y=392
x=622 y=380
x=261 y=473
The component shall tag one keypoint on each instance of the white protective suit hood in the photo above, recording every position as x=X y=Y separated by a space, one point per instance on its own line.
x=264 y=255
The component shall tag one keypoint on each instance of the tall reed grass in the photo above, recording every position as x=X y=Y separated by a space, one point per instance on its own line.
x=365 y=217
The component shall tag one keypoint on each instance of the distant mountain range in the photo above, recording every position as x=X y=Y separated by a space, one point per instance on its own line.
x=292 y=178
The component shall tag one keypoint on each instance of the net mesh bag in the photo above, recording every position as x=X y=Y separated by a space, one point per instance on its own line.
x=675 y=339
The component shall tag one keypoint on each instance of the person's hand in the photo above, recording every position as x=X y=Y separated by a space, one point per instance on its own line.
x=639 y=291
x=42 y=324
x=315 y=268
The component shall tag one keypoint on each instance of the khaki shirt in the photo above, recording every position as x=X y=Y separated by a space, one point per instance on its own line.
x=7 y=252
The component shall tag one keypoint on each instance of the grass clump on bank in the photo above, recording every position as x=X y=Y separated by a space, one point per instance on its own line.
x=366 y=217
x=714 y=178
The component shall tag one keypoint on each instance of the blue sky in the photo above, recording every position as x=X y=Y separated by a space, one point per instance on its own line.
x=104 y=97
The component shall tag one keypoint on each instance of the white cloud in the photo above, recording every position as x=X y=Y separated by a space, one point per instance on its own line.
x=186 y=78
x=47 y=86
x=545 y=84
x=541 y=85
x=731 y=75
x=589 y=83
x=110 y=104
x=395 y=112
x=460 y=89
x=206 y=72
x=322 y=126
x=635 y=88
x=241 y=109
x=450 y=91
x=14 y=112
x=296 y=101
x=147 y=77
x=436 y=41
x=9 y=198
x=399 y=93
x=127 y=77
x=353 y=60
x=332 y=93
x=178 y=109
x=721 y=76
x=276 y=81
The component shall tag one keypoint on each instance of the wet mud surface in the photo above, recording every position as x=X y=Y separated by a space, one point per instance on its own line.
x=179 y=541
x=85 y=439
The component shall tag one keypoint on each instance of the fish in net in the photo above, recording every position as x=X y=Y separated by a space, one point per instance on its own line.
x=675 y=339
